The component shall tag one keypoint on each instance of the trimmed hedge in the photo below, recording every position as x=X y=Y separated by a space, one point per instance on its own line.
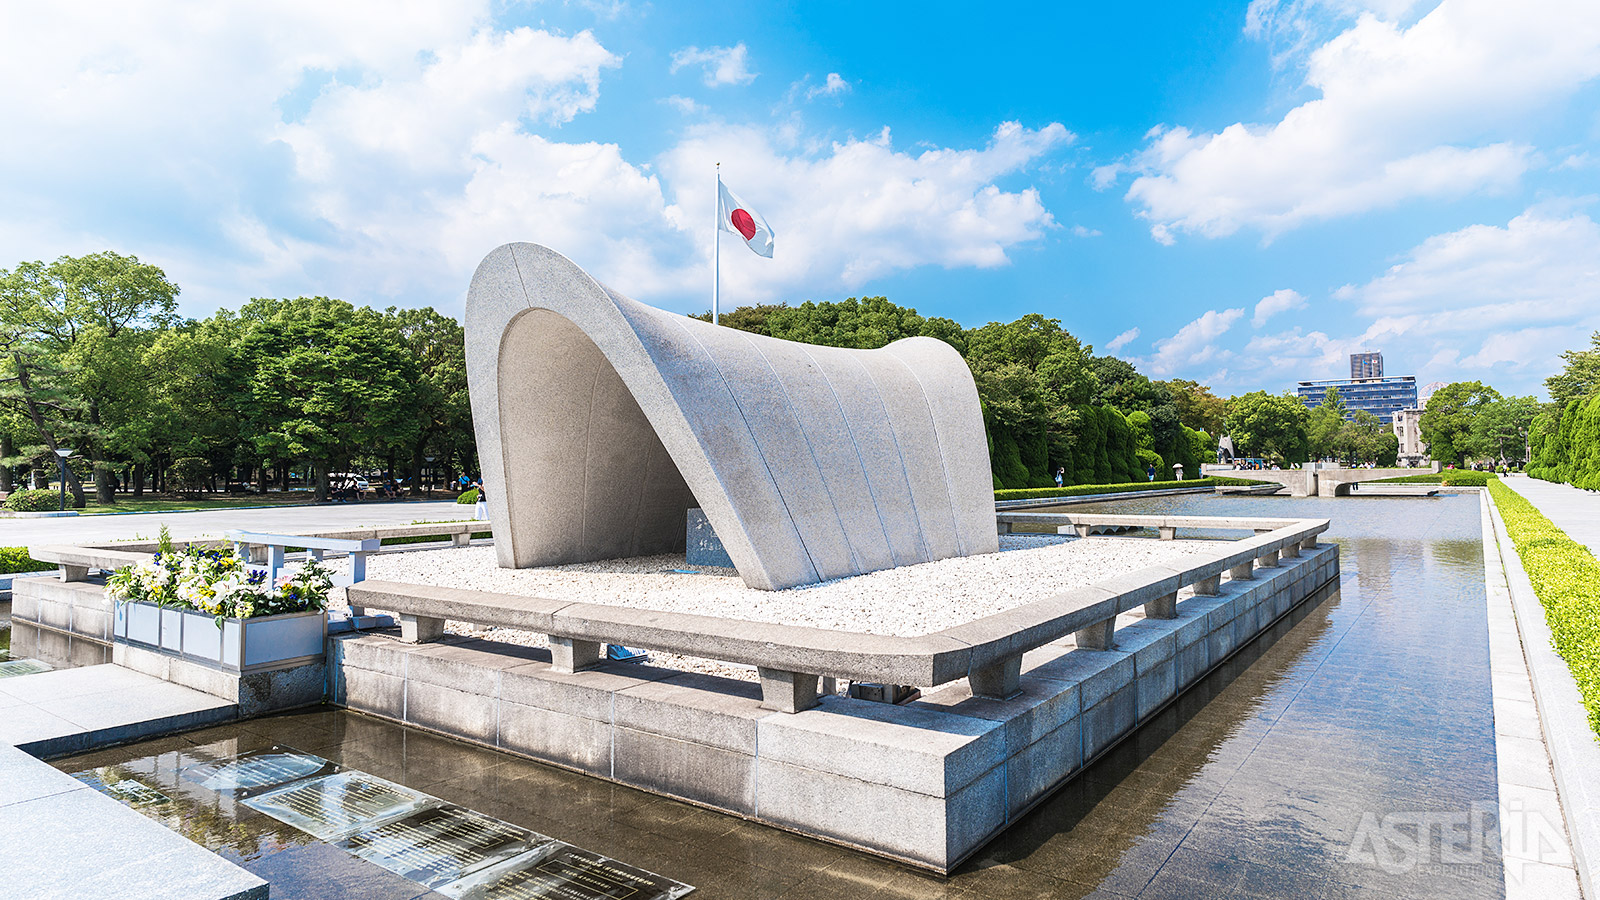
x=468 y=497
x=1566 y=578
x=16 y=559
x=1084 y=490
x=1448 y=478
x=33 y=501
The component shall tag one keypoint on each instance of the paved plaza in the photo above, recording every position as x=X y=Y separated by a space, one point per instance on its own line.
x=203 y=523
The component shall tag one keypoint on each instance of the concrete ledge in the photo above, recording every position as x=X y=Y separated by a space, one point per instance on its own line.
x=1574 y=752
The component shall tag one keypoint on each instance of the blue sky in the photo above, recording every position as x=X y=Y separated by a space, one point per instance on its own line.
x=1240 y=193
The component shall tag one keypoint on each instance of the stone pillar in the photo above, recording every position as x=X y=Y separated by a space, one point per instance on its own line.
x=1309 y=544
x=1268 y=560
x=1290 y=551
x=997 y=680
x=1099 y=636
x=1162 y=607
x=1168 y=532
x=73 y=573
x=420 y=629
x=1208 y=587
x=568 y=655
x=1083 y=530
x=789 y=692
x=1002 y=527
x=1242 y=572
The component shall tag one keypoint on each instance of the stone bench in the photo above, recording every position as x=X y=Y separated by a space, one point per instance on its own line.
x=75 y=563
x=790 y=659
x=1166 y=526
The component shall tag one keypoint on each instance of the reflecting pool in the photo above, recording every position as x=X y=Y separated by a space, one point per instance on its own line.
x=1348 y=751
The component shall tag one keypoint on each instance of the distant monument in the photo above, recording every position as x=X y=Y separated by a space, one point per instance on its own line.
x=601 y=421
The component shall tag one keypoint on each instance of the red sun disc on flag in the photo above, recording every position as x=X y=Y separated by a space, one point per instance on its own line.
x=743 y=222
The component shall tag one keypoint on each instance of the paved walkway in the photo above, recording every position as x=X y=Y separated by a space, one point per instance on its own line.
x=1575 y=512
x=73 y=710
x=209 y=522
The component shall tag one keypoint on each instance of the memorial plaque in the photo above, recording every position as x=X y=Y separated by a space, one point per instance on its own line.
x=443 y=844
x=257 y=771
x=565 y=872
x=11 y=667
x=334 y=807
x=129 y=791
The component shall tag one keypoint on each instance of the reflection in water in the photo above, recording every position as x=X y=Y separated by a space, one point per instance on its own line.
x=1371 y=700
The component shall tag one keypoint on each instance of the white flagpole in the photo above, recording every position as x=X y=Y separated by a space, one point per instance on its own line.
x=716 y=254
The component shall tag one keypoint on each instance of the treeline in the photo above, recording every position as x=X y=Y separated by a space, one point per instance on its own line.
x=1566 y=436
x=97 y=360
x=1048 y=402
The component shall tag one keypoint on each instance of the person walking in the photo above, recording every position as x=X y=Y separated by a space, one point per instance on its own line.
x=1061 y=477
x=1150 y=471
x=480 y=509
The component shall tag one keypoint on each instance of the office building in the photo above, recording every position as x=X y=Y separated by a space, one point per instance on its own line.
x=1366 y=365
x=1376 y=393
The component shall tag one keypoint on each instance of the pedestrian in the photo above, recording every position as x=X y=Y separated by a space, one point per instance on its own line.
x=480 y=510
x=1061 y=477
x=1150 y=470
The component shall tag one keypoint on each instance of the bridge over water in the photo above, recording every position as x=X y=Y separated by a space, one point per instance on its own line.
x=1321 y=481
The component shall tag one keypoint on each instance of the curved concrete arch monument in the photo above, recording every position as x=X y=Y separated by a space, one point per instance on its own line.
x=600 y=421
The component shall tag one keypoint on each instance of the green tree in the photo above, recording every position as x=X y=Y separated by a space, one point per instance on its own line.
x=1501 y=427
x=327 y=381
x=1197 y=407
x=1579 y=378
x=74 y=331
x=1324 y=425
x=441 y=406
x=1270 y=426
x=1447 y=422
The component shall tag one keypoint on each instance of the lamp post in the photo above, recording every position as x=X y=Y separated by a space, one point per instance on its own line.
x=62 y=453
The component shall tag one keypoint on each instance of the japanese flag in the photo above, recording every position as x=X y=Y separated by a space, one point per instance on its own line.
x=734 y=216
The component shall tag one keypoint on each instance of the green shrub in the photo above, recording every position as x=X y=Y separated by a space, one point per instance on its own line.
x=33 y=501
x=1084 y=490
x=468 y=497
x=1448 y=478
x=16 y=559
x=1566 y=578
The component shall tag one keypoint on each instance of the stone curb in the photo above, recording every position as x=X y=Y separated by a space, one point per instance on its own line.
x=1574 y=753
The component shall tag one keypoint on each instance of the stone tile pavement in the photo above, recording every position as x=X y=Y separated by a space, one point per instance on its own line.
x=73 y=710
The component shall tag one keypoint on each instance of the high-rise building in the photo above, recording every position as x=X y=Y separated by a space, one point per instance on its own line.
x=1375 y=393
x=1366 y=365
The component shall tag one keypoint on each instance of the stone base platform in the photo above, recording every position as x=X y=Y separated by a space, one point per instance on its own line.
x=927 y=783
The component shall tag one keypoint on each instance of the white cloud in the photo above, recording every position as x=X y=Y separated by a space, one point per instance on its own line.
x=1194 y=343
x=377 y=152
x=1577 y=161
x=719 y=65
x=1084 y=231
x=1425 y=111
x=1274 y=303
x=682 y=104
x=859 y=209
x=833 y=85
x=1122 y=340
x=1541 y=266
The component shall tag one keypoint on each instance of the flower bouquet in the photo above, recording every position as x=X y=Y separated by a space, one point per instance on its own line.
x=219 y=583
